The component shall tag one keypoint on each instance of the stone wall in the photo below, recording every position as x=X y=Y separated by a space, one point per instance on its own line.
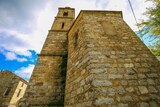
x=47 y=83
x=108 y=65
x=78 y=77
x=12 y=81
x=18 y=93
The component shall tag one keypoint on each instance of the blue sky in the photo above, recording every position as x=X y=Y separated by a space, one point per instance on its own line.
x=24 y=25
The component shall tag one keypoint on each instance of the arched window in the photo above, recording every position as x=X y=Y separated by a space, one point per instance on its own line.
x=65 y=14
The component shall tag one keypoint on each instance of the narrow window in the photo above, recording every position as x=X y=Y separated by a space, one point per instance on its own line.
x=22 y=84
x=65 y=14
x=62 y=25
x=19 y=92
x=76 y=40
x=6 y=93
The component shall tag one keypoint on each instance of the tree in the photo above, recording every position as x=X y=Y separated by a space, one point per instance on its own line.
x=155 y=49
x=152 y=26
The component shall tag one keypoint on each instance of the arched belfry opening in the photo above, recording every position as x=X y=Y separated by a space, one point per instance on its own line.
x=65 y=14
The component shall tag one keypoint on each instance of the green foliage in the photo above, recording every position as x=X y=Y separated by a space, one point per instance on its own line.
x=152 y=26
x=59 y=102
x=156 y=49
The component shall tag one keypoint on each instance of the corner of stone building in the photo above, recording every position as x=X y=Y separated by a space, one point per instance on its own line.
x=119 y=70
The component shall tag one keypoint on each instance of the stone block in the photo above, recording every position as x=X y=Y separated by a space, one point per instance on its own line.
x=143 y=104
x=130 y=89
x=102 y=70
x=101 y=101
x=101 y=83
x=120 y=90
x=115 y=76
x=152 y=89
x=153 y=104
x=143 y=89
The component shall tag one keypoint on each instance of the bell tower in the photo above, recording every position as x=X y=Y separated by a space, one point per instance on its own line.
x=47 y=82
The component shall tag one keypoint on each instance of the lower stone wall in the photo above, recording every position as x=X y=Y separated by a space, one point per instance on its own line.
x=78 y=90
x=109 y=66
x=46 y=84
x=7 y=79
x=125 y=72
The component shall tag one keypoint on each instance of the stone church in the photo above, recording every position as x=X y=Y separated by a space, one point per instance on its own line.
x=95 y=60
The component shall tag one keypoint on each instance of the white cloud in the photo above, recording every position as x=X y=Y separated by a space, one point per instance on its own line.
x=21 y=59
x=20 y=42
x=25 y=72
x=15 y=41
x=44 y=20
x=24 y=53
x=12 y=56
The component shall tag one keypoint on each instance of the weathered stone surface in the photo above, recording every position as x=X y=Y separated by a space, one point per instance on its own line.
x=133 y=82
x=143 y=98
x=143 y=89
x=128 y=65
x=144 y=104
x=126 y=99
x=115 y=76
x=101 y=101
x=143 y=82
x=130 y=76
x=107 y=64
x=120 y=65
x=120 y=90
x=153 y=104
x=124 y=82
x=48 y=78
x=122 y=105
x=98 y=70
x=142 y=76
x=130 y=89
x=101 y=83
x=150 y=81
x=152 y=75
x=152 y=89
x=12 y=88
x=111 y=92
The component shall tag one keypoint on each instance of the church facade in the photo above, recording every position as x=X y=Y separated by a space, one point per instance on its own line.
x=95 y=60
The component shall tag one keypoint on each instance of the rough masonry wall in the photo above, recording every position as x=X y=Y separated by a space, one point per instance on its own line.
x=10 y=80
x=46 y=81
x=78 y=87
x=7 y=80
x=120 y=70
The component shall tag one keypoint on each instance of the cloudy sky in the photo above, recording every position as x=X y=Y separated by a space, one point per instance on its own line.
x=24 y=25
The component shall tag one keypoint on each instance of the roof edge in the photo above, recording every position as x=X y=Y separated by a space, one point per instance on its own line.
x=16 y=76
x=95 y=11
x=66 y=8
